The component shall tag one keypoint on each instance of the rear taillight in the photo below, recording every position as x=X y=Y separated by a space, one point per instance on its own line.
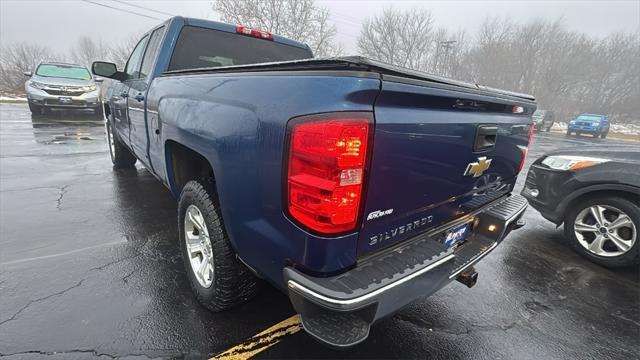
x=525 y=149
x=253 y=32
x=326 y=169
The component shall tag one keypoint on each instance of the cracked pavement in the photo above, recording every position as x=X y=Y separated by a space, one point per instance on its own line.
x=90 y=268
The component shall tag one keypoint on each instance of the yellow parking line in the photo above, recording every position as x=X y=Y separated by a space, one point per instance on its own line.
x=262 y=341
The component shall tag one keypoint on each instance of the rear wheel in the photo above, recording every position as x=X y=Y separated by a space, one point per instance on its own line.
x=121 y=157
x=604 y=135
x=568 y=132
x=218 y=279
x=605 y=230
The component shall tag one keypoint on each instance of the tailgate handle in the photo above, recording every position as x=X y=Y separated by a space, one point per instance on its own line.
x=485 y=137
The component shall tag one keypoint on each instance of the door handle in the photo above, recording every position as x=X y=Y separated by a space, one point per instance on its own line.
x=486 y=136
x=139 y=97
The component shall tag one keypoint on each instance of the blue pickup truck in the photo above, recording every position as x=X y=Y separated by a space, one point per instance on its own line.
x=596 y=125
x=354 y=186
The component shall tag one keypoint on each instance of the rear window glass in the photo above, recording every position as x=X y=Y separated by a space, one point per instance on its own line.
x=200 y=47
x=63 y=71
x=589 y=117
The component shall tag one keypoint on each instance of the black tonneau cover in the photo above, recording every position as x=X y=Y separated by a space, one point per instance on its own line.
x=353 y=63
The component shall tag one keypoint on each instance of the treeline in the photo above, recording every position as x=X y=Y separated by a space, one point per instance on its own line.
x=17 y=58
x=568 y=71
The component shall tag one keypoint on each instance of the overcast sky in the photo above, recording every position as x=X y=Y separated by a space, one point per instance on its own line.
x=58 y=24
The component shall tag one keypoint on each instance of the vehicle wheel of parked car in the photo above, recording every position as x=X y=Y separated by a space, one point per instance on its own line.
x=568 y=132
x=548 y=128
x=219 y=280
x=603 y=135
x=605 y=230
x=121 y=157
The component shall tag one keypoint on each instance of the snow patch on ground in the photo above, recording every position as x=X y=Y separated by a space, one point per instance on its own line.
x=13 y=99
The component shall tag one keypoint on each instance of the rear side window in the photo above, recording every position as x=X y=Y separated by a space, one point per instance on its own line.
x=152 y=51
x=201 y=47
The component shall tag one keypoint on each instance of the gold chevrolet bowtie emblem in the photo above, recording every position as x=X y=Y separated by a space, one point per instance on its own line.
x=477 y=168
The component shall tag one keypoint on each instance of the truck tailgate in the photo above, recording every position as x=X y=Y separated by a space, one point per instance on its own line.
x=429 y=165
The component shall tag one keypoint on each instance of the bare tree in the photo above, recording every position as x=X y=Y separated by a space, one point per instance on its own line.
x=119 y=53
x=17 y=58
x=566 y=71
x=88 y=50
x=399 y=37
x=300 y=20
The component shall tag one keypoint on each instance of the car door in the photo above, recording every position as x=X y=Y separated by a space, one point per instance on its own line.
x=120 y=95
x=138 y=89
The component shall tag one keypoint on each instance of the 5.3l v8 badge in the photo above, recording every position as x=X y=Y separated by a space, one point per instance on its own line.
x=477 y=168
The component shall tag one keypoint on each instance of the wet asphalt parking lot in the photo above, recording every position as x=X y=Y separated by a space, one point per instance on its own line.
x=90 y=268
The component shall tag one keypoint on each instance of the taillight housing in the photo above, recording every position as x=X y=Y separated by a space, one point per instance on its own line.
x=525 y=149
x=327 y=162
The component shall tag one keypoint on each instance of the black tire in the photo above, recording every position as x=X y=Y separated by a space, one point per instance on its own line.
x=232 y=282
x=631 y=256
x=568 y=132
x=548 y=128
x=121 y=157
x=603 y=135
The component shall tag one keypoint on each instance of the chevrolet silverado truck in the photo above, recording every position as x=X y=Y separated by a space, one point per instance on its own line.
x=354 y=186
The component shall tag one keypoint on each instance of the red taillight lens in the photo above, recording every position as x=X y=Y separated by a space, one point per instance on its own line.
x=525 y=150
x=326 y=168
x=253 y=32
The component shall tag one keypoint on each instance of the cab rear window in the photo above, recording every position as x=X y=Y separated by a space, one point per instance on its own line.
x=202 y=48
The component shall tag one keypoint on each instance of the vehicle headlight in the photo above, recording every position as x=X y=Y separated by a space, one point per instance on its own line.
x=572 y=122
x=89 y=87
x=596 y=123
x=568 y=162
x=37 y=85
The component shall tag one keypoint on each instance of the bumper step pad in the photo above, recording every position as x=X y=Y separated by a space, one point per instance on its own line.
x=336 y=329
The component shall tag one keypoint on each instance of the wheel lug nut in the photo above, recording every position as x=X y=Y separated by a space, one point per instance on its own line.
x=611 y=231
x=605 y=224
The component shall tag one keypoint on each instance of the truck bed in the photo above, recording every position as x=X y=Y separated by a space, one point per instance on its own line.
x=359 y=63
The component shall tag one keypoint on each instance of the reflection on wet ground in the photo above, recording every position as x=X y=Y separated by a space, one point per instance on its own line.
x=57 y=129
x=90 y=267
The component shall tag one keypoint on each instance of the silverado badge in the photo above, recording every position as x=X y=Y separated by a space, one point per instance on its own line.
x=477 y=168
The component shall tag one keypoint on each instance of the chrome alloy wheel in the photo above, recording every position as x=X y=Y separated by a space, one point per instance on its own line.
x=199 y=247
x=605 y=230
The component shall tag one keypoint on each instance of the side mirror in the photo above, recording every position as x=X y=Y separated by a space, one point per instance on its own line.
x=27 y=73
x=98 y=79
x=106 y=69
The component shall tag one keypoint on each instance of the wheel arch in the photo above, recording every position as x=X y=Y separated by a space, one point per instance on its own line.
x=183 y=164
x=620 y=190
